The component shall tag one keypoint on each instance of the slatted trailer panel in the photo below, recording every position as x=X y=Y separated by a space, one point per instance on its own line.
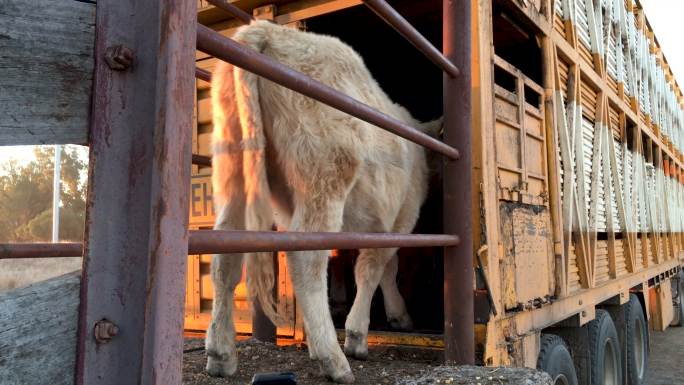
x=613 y=142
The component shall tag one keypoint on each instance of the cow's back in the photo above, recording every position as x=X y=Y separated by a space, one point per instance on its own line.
x=304 y=132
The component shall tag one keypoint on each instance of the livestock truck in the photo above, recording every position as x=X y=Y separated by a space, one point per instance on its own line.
x=577 y=182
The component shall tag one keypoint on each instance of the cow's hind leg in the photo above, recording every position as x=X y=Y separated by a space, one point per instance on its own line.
x=395 y=308
x=368 y=271
x=308 y=271
x=226 y=270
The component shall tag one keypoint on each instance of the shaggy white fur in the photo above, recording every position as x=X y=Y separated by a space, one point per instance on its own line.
x=321 y=170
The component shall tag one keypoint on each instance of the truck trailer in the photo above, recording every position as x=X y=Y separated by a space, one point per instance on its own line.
x=577 y=175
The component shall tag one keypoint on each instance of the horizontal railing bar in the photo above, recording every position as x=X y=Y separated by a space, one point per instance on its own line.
x=239 y=241
x=202 y=74
x=40 y=250
x=222 y=241
x=201 y=160
x=228 y=50
x=232 y=9
x=405 y=29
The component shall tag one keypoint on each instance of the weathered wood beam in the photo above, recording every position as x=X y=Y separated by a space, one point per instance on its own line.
x=47 y=69
x=38 y=332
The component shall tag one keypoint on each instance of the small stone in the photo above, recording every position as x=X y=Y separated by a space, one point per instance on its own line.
x=360 y=366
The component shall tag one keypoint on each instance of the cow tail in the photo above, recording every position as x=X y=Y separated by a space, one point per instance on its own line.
x=258 y=211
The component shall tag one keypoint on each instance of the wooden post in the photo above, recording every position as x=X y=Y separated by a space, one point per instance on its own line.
x=137 y=209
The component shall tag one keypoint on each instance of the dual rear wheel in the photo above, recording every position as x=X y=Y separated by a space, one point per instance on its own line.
x=604 y=348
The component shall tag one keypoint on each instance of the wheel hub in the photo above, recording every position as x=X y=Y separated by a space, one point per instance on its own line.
x=610 y=364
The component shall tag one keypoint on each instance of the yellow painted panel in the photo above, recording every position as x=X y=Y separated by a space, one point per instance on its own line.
x=201 y=205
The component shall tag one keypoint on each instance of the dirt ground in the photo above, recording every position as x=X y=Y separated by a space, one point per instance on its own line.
x=385 y=365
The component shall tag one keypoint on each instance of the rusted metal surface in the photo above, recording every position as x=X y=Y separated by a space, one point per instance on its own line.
x=232 y=9
x=201 y=160
x=240 y=241
x=394 y=18
x=459 y=344
x=232 y=241
x=40 y=250
x=104 y=331
x=137 y=206
x=226 y=49
x=203 y=74
x=119 y=57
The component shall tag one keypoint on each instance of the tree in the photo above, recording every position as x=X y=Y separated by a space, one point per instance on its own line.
x=26 y=197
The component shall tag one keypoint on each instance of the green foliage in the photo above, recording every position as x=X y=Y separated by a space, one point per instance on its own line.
x=26 y=198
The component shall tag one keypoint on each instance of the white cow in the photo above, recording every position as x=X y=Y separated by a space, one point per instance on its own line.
x=321 y=170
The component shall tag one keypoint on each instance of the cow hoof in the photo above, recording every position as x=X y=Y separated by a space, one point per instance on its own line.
x=340 y=372
x=355 y=345
x=401 y=323
x=221 y=365
x=346 y=378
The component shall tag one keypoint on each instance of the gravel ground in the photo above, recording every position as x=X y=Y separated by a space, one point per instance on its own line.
x=385 y=365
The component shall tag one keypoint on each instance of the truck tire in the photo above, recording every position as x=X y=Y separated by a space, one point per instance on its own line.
x=636 y=342
x=604 y=351
x=678 y=299
x=554 y=359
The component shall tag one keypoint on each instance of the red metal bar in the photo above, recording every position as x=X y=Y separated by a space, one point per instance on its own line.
x=232 y=9
x=394 y=19
x=459 y=338
x=40 y=250
x=135 y=256
x=203 y=74
x=237 y=241
x=226 y=49
x=201 y=160
x=219 y=241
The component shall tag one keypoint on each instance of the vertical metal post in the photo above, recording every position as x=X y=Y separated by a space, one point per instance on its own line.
x=459 y=344
x=132 y=290
x=56 y=189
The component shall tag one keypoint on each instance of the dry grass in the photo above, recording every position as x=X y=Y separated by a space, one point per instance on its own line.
x=22 y=272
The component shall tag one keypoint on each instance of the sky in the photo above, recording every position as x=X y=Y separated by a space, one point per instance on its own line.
x=664 y=16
